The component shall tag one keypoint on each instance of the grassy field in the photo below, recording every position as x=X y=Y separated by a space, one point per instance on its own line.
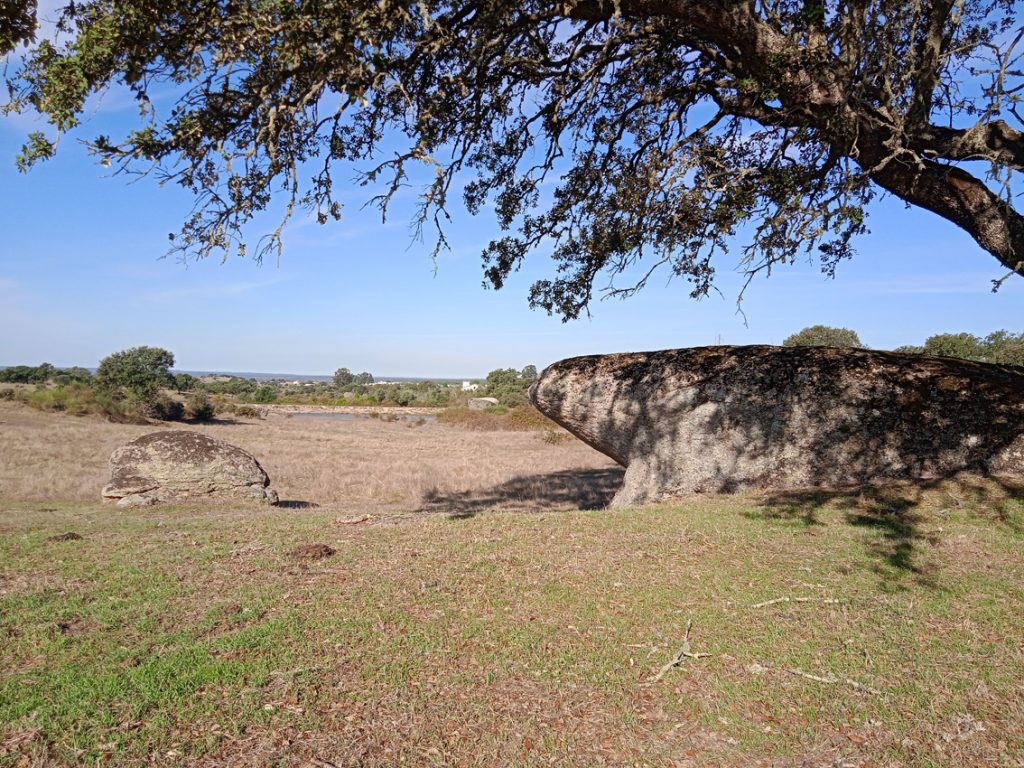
x=484 y=612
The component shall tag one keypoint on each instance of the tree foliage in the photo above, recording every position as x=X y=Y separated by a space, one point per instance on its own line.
x=17 y=23
x=510 y=386
x=824 y=336
x=620 y=136
x=962 y=345
x=1004 y=347
x=27 y=374
x=343 y=377
x=1001 y=347
x=140 y=371
x=264 y=394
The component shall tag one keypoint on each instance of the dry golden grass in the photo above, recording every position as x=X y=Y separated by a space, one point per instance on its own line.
x=362 y=462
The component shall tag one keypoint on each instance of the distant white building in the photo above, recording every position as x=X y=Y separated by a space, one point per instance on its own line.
x=470 y=386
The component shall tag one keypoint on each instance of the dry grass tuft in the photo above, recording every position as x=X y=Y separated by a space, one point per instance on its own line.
x=522 y=419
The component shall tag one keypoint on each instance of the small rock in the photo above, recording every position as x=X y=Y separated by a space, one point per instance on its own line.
x=482 y=403
x=312 y=551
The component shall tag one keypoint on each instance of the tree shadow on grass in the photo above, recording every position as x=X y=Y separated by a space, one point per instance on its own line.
x=569 y=489
x=900 y=515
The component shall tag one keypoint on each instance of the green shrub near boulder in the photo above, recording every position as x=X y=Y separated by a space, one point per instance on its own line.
x=199 y=407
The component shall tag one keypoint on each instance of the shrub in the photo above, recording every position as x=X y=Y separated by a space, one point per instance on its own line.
x=199 y=407
x=248 y=412
x=403 y=397
x=264 y=394
x=164 y=408
x=555 y=436
x=80 y=399
x=75 y=398
x=510 y=386
x=524 y=418
x=185 y=382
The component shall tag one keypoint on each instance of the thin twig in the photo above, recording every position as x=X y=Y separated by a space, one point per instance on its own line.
x=353 y=520
x=777 y=600
x=684 y=653
x=833 y=680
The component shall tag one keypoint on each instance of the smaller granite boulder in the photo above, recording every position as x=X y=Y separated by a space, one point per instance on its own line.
x=176 y=465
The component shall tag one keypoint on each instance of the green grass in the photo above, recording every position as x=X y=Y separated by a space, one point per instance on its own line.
x=189 y=634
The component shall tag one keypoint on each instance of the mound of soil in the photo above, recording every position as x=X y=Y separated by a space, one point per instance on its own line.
x=69 y=536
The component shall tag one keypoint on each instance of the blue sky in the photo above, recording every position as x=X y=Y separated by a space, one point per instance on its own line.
x=82 y=275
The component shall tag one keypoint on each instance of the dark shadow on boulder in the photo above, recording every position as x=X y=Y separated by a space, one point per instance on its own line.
x=726 y=419
x=297 y=504
x=903 y=528
x=569 y=489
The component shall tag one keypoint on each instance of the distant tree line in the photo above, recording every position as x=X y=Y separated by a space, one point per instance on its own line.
x=138 y=384
x=131 y=386
x=40 y=374
x=1002 y=347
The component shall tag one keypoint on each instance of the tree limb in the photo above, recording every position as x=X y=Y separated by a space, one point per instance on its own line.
x=995 y=141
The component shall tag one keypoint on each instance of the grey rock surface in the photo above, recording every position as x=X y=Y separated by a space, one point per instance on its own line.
x=134 y=500
x=176 y=465
x=724 y=419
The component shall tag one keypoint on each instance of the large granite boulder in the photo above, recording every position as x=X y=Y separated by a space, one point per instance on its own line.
x=176 y=465
x=721 y=419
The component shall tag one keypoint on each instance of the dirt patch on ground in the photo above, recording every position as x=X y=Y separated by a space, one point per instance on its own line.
x=69 y=536
x=76 y=626
x=312 y=551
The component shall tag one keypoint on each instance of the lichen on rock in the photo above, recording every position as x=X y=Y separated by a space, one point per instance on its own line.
x=176 y=465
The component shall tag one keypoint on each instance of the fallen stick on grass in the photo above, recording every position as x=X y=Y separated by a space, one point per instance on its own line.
x=833 y=680
x=684 y=653
x=777 y=600
x=352 y=520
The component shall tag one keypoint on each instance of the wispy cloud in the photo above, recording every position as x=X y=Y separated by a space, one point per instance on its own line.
x=213 y=291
